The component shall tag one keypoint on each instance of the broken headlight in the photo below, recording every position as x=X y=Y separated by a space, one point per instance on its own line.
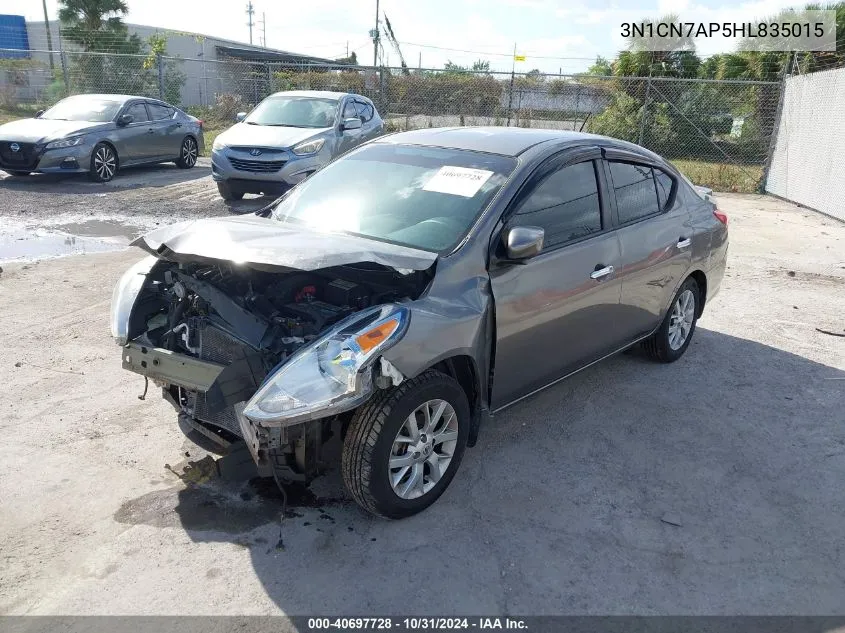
x=331 y=375
x=123 y=298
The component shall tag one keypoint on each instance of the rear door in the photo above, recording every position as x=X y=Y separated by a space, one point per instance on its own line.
x=558 y=311
x=168 y=131
x=137 y=138
x=655 y=236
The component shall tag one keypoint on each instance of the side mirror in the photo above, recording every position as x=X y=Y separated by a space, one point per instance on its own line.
x=523 y=242
x=240 y=116
x=352 y=123
x=39 y=113
x=125 y=119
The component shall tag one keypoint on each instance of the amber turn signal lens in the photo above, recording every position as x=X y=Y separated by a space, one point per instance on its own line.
x=372 y=337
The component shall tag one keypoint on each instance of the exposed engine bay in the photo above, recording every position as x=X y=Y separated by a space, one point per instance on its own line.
x=249 y=321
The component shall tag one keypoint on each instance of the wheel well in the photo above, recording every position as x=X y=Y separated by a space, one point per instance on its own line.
x=701 y=280
x=462 y=369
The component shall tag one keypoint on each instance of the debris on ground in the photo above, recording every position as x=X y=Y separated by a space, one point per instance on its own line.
x=672 y=518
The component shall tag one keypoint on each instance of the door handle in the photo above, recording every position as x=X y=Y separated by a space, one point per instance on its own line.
x=151 y=131
x=601 y=272
x=683 y=242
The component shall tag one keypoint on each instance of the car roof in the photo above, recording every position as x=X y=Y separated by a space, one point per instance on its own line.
x=508 y=141
x=318 y=94
x=121 y=98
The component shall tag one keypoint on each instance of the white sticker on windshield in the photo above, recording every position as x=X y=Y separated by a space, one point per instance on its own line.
x=458 y=181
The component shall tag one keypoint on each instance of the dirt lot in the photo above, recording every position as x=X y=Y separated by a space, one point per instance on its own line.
x=713 y=485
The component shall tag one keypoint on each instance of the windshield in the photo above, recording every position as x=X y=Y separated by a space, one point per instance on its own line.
x=83 y=108
x=294 y=112
x=425 y=197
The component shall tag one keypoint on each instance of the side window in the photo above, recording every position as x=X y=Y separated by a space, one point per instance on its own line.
x=349 y=111
x=365 y=109
x=664 y=187
x=138 y=112
x=565 y=205
x=636 y=192
x=159 y=112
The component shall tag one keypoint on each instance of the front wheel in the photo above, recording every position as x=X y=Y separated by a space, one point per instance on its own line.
x=227 y=193
x=18 y=174
x=103 y=163
x=672 y=338
x=404 y=446
x=187 y=154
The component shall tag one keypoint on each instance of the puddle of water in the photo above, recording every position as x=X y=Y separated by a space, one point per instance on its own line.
x=29 y=244
x=98 y=228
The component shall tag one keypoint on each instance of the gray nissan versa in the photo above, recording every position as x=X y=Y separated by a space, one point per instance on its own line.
x=287 y=137
x=410 y=290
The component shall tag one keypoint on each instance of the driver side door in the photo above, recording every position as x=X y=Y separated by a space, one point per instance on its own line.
x=349 y=138
x=137 y=139
x=558 y=311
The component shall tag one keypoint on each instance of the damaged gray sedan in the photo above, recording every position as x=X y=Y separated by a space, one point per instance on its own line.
x=410 y=289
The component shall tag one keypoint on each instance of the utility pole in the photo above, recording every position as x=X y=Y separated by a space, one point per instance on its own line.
x=420 y=66
x=250 y=24
x=264 y=29
x=49 y=35
x=375 y=39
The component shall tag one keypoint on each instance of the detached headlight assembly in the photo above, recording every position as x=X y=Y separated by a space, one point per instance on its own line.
x=68 y=142
x=124 y=295
x=332 y=374
x=308 y=147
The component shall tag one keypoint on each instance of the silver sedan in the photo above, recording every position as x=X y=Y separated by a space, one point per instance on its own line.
x=98 y=134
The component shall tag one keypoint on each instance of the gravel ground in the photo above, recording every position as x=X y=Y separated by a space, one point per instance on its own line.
x=710 y=486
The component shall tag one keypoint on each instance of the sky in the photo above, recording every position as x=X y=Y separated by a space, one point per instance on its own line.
x=553 y=35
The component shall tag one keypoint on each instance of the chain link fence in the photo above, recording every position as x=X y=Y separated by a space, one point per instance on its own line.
x=719 y=132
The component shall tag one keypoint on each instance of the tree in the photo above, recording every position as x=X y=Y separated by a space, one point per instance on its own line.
x=97 y=26
x=352 y=60
x=481 y=66
x=601 y=67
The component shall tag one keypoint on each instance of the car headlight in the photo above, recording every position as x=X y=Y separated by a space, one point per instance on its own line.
x=123 y=298
x=308 y=147
x=217 y=145
x=68 y=142
x=332 y=374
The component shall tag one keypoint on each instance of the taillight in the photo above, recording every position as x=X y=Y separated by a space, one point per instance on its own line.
x=720 y=216
x=200 y=122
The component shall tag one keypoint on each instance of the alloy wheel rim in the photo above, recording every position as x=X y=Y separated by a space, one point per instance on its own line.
x=681 y=319
x=423 y=449
x=104 y=163
x=189 y=152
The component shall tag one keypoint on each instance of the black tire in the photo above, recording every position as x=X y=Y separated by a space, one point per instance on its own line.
x=188 y=153
x=104 y=163
x=227 y=193
x=658 y=345
x=18 y=174
x=374 y=427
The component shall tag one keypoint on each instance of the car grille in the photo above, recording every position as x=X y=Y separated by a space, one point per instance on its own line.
x=25 y=158
x=259 y=166
x=215 y=346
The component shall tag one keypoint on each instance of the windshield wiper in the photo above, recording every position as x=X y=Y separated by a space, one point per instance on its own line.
x=251 y=123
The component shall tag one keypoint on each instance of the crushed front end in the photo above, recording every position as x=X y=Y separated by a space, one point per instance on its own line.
x=267 y=355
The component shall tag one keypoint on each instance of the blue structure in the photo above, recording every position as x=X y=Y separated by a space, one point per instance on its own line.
x=13 y=35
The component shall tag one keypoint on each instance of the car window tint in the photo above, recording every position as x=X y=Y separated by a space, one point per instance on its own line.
x=636 y=193
x=565 y=205
x=664 y=187
x=349 y=111
x=365 y=109
x=159 y=112
x=138 y=112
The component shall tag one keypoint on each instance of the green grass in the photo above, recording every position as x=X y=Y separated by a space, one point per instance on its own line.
x=722 y=176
